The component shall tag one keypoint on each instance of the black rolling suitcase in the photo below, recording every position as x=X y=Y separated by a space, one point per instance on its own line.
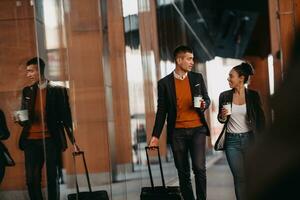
x=159 y=192
x=89 y=195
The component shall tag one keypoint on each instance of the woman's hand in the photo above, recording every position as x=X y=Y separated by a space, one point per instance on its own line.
x=224 y=113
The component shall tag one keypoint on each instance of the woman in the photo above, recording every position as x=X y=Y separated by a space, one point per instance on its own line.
x=244 y=119
x=4 y=134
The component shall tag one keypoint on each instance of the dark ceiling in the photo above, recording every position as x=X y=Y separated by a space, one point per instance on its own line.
x=225 y=28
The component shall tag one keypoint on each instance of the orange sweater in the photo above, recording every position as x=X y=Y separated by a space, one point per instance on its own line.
x=187 y=117
x=38 y=129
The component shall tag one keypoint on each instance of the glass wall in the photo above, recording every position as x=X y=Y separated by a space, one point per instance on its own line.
x=103 y=59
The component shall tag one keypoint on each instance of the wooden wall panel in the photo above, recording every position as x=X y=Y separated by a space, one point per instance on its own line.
x=17 y=44
x=87 y=88
x=85 y=15
x=260 y=83
x=287 y=30
x=12 y=10
x=275 y=42
x=119 y=82
x=297 y=14
x=151 y=66
x=94 y=142
x=284 y=20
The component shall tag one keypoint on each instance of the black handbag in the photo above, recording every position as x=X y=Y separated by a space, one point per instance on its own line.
x=89 y=195
x=7 y=158
x=220 y=143
x=159 y=192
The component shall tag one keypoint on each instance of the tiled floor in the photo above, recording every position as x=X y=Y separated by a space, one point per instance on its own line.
x=219 y=183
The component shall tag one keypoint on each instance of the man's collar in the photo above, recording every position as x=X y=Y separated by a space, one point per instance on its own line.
x=43 y=85
x=177 y=76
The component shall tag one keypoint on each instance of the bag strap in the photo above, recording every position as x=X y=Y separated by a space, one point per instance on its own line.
x=9 y=161
x=160 y=166
x=85 y=167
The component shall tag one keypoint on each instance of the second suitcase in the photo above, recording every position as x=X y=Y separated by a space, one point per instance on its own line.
x=89 y=195
x=159 y=192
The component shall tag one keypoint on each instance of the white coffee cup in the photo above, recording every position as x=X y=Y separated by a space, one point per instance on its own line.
x=228 y=108
x=197 y=101
x=21 y=115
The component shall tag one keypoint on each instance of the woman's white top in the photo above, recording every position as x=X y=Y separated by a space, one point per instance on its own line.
x=238 y=122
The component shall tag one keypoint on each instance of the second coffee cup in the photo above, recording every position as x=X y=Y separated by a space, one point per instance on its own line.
x=197 y=101
x=228 y=108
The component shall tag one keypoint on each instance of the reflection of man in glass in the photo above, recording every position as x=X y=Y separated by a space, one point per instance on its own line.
x=43 y=135
x=140 y=138
x=141 y=133
x=186 y=127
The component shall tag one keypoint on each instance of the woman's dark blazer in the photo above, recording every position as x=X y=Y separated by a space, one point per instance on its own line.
x=4 y=134
x=255 y=112
x=166 y=102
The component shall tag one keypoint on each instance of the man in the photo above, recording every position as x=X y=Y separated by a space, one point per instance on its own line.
x=43 y=135
x=186 y=125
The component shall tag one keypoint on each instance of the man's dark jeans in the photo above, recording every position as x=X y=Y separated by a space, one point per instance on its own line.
x=34 y=161
x=236 y=148
x=191 y=141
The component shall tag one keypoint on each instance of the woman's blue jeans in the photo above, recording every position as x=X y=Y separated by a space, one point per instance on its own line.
x=236 y=148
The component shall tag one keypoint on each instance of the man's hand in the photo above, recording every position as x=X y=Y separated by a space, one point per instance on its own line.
x=202 y=104
x=76 y=148
x=16 y=118
x=153 y=142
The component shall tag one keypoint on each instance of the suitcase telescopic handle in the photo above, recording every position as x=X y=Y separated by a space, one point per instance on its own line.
x=160 y=166
x=81 y=153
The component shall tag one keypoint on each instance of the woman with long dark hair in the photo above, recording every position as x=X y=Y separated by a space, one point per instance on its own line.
x=4 y=134
x=241 y=111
